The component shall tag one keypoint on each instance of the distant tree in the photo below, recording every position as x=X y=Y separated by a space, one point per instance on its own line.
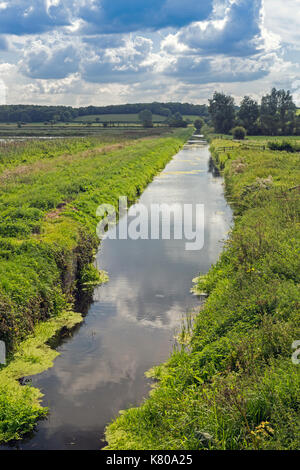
x=145 y=117
x=297 y=125
x=198 y=124
x=249 y=114
x=163 y=111
x=222 y=111
x=277 y=112
x=176 y=120
x=65 y=116
x=239 y=133
x=287 y=111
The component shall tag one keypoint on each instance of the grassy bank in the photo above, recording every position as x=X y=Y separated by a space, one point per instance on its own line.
x=48 y=199
x=75 y=129
x=231 y=383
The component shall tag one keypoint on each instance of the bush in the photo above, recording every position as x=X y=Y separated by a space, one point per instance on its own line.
x=198 y=124
x=284 y=146
x=239 y=133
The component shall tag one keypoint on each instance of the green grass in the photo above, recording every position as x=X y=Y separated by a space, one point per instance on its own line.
x=231 y=383
x=48 y=199
x=17 y=152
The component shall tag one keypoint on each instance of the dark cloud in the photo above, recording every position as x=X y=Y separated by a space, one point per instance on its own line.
x=22 y=17
x=223 y=70
x=106 y=72
x=105 y=41
x=115 y=16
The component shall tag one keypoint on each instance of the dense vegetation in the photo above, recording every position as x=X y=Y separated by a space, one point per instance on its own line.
x=276 y=114
x=48 y=199
x=31 y=113
x=231 y=382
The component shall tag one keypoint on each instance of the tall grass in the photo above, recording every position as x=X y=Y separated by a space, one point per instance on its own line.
x=48 y=203
x=234 y=385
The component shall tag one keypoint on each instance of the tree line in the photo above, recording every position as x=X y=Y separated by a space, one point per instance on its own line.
x=276 y=114
x=172 y=120
x=32 y=113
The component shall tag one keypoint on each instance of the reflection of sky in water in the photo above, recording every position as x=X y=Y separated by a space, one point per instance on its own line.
x=131 y=324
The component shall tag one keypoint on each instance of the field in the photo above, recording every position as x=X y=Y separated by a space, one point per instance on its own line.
x=261 y=139
x=81 y=126
x=231 y=382
x=50 y=191
x=40 y=130
x=124 y=118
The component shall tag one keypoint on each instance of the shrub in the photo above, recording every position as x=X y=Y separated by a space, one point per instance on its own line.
x=239 y=133
x=198 y=124
x=284 y=145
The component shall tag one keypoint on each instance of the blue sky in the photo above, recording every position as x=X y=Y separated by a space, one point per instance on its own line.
x=115 y=51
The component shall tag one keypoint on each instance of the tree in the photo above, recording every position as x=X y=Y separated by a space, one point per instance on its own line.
x=287 y=111
x=277 y=112
x=239 y=133
x=145 y=117
x=222 y=111
x=176 y=120
x=297 y=125
x=198 y=124
x=249 y=114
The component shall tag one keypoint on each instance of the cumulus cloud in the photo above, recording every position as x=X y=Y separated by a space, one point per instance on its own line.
x=3 y=43
x=104 y=41
x=119 y=65
x=283 y=19
x=110 y=51
x=48 y=61
x=2 y=92
x=238 y=33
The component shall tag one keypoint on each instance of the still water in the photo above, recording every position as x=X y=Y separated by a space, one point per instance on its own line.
x=131 y=323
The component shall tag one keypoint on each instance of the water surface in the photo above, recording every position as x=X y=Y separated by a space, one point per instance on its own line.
x=131 y=324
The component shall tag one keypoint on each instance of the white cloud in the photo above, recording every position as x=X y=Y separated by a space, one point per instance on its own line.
x=283 y=19
x=235 y=46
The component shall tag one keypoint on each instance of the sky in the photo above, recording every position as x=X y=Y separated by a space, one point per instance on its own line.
x=100 y=52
